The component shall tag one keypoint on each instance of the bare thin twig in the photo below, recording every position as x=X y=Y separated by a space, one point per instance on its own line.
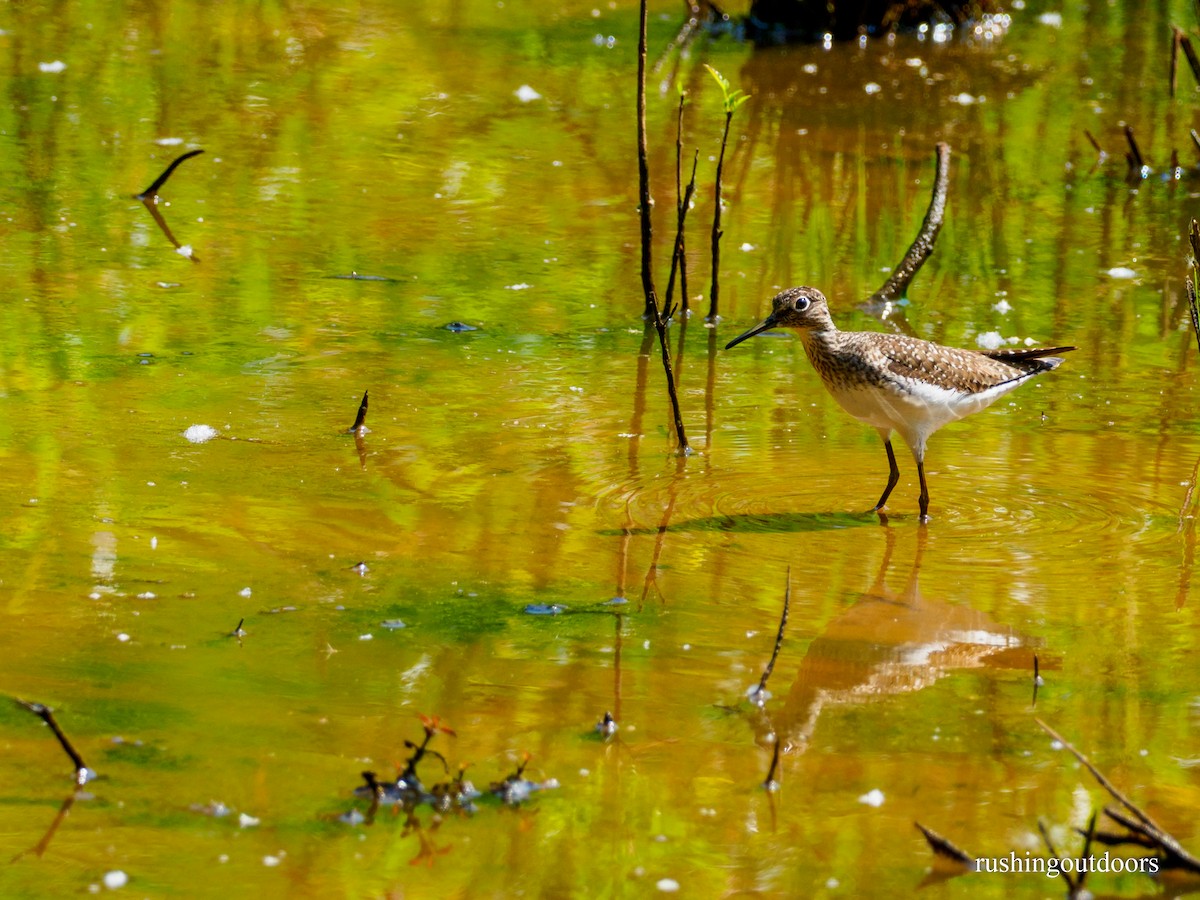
x=1193 y=308
x=897 y=284
x=1068 y=877
x=787 y=599
x=644 y=202
x=679 y=258
x=651 y=311
x=1086 y=853
x=715 y=290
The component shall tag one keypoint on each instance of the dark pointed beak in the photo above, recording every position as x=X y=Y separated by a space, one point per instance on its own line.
x=765 y=325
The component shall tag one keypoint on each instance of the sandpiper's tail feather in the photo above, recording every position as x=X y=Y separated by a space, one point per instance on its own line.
x=1043 y=355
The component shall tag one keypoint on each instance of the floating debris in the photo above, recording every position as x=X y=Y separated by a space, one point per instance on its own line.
x=524 y=93
x=52 y=68
x=1121 y=272
x=545 y=609
x=458 y=327
x=607 y=726
x=757 y=695
x=392 y=624
x=214 y=808
x=355 y=276
x=457 y=794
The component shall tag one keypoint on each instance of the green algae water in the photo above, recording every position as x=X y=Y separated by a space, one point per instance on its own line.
x=235 y=608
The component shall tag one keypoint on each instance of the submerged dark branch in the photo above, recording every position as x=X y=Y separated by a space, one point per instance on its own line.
x=1134 y=157
x=359 y=419
x=82 y=773
x=944 y=849
x=1144 y=824
x=158 y=182
x=897 y=284
x=1189 y=51
x=771 y=784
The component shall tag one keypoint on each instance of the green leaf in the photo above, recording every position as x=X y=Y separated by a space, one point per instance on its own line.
x=732 y=98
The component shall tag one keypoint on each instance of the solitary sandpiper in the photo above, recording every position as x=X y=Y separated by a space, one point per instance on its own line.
x=897 y=383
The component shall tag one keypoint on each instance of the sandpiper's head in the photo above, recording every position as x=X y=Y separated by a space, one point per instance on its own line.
x=798 y=307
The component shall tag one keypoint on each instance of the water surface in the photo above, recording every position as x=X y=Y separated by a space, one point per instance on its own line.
x=528 y=465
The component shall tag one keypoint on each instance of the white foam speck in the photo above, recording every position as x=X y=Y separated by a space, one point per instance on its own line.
x=115 y=879
x=53 y=68
x=1053 y=19
x=667 y=885
x=526 y=94
x=198 y=434
x=990 y=340
x=1120 y=272
x=872 y=798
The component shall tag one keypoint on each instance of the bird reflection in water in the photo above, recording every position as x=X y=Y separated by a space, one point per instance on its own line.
x=886 y=644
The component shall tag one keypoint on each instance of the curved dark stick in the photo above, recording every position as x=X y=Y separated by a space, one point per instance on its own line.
x=897 y=285
x=161 y=179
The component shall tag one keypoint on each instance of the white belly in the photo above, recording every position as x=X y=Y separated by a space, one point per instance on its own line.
x=916 y=413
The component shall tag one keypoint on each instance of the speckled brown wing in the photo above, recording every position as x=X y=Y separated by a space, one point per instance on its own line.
x=964 y=371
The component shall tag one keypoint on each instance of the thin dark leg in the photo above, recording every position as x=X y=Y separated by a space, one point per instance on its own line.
x=924 y=498
x=893 y=475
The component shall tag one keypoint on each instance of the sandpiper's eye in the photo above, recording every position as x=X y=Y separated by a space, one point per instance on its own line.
x=801 y=304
